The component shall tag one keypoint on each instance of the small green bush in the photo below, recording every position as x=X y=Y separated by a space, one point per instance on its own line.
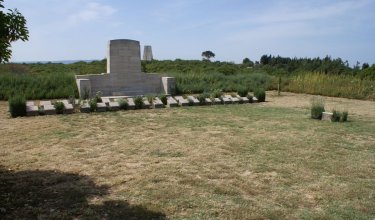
x=17 y=106
x=242 y=92
x=124 y=105
x=250 y=97
x=138 y=101
x=260 y=94
x=317 y=108
x=59 y=106
x=150 y=98
x=336 y=116
x=217 y=93
x=92 y=104
x=202 y=98
x=98 y=97
x=164 y=99
x=344 y=116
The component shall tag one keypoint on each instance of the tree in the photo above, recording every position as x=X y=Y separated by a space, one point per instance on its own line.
x=12 y=28
x=247 y=62
x=365 y=66
x=207 y=55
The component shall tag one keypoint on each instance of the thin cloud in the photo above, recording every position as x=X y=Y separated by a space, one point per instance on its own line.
x=92 y=11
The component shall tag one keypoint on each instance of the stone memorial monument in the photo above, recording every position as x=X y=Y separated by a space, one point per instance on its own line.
x=124 y=76
x=147 y=53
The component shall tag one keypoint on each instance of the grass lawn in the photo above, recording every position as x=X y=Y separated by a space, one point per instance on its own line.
x=254 y=161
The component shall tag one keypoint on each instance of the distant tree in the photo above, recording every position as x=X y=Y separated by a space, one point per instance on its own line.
x=207 y=55
x=365 y=66
x=12 y=28
x=264 y=60
x=247 y=62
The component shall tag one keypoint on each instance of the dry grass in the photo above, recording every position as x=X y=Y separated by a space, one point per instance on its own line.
x=265 y=160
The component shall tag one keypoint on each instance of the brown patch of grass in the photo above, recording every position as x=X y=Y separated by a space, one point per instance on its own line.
x=264 y=160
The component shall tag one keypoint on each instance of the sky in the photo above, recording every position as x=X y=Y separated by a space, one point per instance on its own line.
x=232 y=29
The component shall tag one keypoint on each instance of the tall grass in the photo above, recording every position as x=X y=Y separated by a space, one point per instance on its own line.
x=38 y=86
x=201 y=82
x=332 y=85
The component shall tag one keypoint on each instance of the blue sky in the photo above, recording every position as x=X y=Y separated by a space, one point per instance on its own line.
x=232 y=29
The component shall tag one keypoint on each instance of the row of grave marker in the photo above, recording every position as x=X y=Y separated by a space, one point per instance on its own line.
x=49 y=109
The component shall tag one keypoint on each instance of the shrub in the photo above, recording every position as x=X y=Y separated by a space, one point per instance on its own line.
x=260 y=94
x=123 y=104
x=59 y=106
x=242 y=92
x=92 y=104
x=150 y=98
x=336 y=116
x=138 y=101
x=250 y=97
x=344 y=116
x=17 y=106
x=98 y=96
x=217 y=93
x=164 y=99
x=317 y=108
x=202 y=98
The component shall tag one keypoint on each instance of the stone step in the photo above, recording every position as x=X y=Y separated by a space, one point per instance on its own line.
x=157 y=103
x=171 y=102
x=181 y=101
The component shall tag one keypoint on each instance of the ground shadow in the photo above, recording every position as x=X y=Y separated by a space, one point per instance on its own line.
x=34 y=194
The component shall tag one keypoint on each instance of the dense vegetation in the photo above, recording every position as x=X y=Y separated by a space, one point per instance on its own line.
x=331 y=77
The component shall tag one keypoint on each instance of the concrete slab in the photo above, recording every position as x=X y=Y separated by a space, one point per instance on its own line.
x=30 y=103
x=193 y=99
x=131 y=104
x=226 y=100
x=217 y=101
x=101 y=107
x=327 y=116
x=255 y=100
x=234 y=100
x=32 y=110
x=157 y=103
x=181 y=101
x=85 y=108
x=114 y=106
x=208 y=101
x=105 y=100
x=146 y=103
x=171 y=102
x=49 y=110
x=45 y=103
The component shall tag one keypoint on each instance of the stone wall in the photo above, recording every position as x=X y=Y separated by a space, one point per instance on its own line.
x=124 y=76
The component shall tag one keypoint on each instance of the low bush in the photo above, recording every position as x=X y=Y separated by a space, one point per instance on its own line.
x=202 y=98
x=336 y=116
x=123 y=104
x=92 y=104
x=242 y=92
x=59 y=106
x=260 y=94
x=339 y=116
x=98 y=97
x=138 y=101
x=250 y=97
x=344 y=116
x=317 y=108
x=191 y=102
x=164 y=99
x=150 y=98
x=216 y=93
x=17 y=106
